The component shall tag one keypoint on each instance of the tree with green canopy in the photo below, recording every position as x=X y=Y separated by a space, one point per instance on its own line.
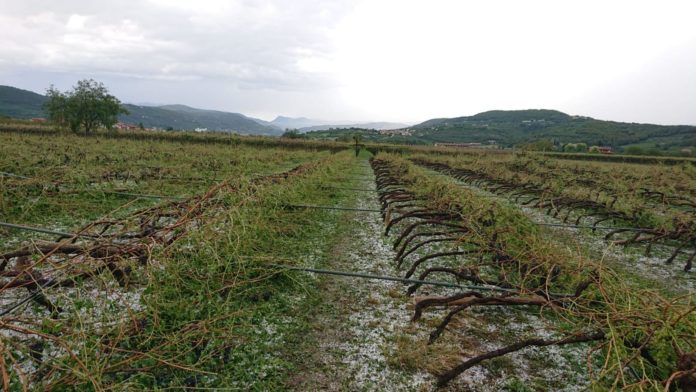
x=87 y=106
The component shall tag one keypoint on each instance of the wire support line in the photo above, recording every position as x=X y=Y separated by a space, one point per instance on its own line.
x=182 y=179
x=536 y=223
x=30 y=297
x=127 y=194
x=593 y=227
x=402 y=280
x=355 y=178
x=291 y=206
x=350 y=189
x=130 y=194
x=6 y=174
x=45 y=231
x=143 y=195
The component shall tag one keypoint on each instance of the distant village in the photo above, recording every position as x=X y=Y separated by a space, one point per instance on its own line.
x=395 y=132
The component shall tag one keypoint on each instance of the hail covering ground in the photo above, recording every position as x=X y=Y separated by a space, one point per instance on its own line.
x=352 y=336
x=289 y=330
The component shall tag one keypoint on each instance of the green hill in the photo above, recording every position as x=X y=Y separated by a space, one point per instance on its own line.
x=184 y=117
x=514 y=127
x=19 y=103
x=509 y=128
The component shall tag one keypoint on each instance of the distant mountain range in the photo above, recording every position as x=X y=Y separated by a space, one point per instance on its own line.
x=304 y=124
x=19 y=103
x=295 y=123
x=370 y=125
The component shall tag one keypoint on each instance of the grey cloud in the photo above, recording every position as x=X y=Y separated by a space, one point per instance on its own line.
x=363 y=59
x=250 y=44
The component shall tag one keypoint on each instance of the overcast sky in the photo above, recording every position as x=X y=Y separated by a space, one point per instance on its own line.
x=365 y=60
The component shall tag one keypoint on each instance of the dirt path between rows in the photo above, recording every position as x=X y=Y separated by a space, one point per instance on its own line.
x=348 y=347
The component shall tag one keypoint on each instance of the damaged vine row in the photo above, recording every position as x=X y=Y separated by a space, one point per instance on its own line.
x=676 y=227
x=486 y=242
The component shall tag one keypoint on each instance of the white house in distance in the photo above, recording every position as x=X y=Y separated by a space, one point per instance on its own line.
x=392 y=132
x=464 y=145
x=120 y=125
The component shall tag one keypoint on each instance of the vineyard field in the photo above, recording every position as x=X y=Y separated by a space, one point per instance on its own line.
x=131 y=261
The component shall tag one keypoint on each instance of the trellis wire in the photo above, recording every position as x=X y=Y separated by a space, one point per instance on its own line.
x=6 y=174
x=536 y=223
x=399 y=279
x=42 y=230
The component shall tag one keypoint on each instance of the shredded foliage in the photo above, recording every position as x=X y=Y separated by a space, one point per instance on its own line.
x=644 y=338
